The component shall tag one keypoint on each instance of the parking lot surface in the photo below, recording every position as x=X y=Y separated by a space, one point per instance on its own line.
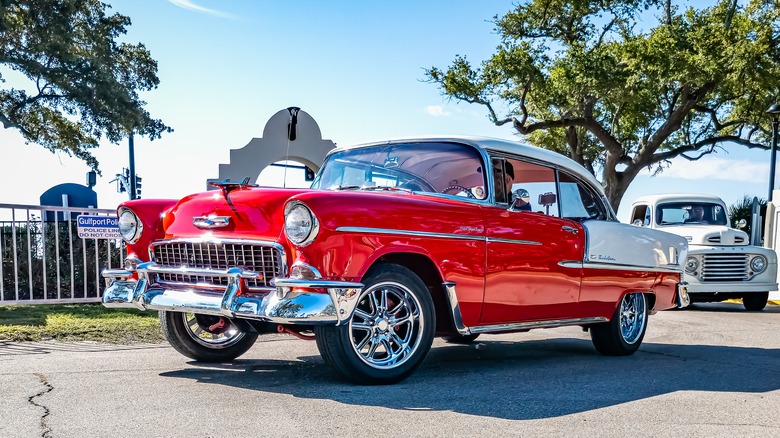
x=713 y=370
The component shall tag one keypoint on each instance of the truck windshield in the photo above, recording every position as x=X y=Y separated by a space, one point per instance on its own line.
x=448 y=168
x=700 y=213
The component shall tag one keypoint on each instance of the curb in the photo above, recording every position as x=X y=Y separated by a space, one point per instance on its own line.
x=770 y=302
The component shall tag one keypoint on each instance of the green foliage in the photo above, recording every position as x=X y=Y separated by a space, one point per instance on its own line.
x=83 y=83
x=743 y=209
x=623 y=85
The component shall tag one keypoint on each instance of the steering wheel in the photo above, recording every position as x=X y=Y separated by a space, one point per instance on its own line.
x=460 y=190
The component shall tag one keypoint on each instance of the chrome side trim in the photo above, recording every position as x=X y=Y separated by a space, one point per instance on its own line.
x=615 y=267
x=536 y=325
x=454 y=307
x=367 y=230
x=516 y=242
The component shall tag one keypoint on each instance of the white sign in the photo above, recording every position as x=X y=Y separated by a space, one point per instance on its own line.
x=98 y=227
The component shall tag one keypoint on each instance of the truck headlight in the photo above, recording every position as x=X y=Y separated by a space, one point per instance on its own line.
x=691 y=265
x=758 y=264
x=300 y=224
x=130 y=227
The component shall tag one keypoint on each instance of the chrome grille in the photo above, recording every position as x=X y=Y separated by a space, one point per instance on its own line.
x=713 y=239
x=725 y=267
x=263 y=259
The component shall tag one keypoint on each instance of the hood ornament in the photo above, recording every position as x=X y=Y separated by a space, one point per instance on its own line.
x=207 y=222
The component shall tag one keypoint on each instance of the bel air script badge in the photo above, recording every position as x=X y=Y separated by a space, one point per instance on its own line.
x=211 y=221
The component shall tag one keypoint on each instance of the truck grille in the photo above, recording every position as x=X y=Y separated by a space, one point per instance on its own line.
x=725 y=267
x=263 y=259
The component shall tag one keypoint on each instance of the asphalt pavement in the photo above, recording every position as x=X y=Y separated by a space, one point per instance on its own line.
x=713 y=370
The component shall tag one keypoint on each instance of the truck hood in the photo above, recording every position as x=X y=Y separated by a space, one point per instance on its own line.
x=711 y=235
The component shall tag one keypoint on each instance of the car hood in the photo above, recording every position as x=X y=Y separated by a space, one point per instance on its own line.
x=709 y=235
x=241 y=213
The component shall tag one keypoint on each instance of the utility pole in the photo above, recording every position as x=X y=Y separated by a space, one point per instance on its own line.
x=131 y=179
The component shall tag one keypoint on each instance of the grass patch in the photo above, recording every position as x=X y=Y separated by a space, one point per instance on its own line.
x=78 y=322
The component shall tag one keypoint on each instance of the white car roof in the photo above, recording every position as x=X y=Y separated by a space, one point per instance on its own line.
x=500 y=145
x=678 y=197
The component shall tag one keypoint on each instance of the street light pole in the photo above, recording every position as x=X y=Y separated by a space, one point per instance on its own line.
x=131 y=179
x=774 y=111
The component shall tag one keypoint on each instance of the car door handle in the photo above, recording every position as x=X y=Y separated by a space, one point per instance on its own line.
x=569 y=229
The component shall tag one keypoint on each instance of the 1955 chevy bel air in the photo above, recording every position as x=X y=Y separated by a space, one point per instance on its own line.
x=395 y=243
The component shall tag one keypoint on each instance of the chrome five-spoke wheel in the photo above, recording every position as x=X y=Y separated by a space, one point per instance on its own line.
x=633 y=317
x=624 y=333
x=389 y=333
x=205 y=338
x=386 y=326
x=211 y=331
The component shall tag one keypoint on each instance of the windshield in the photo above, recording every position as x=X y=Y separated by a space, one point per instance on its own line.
x=702 y=213
x=448 y=168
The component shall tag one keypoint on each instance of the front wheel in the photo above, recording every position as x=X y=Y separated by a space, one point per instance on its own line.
x=624 y=333
x=755 y=301
x=205 y=338
x=390 y=332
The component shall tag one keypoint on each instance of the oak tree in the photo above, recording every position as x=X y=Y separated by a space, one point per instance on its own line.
x=624 y=85
x=74 y=80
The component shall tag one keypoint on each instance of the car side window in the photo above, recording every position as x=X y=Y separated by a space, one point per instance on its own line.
x=578 y=202
x=533 y=188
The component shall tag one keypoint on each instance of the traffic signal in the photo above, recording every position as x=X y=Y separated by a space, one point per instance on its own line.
x=138 y=187
x=308 y=174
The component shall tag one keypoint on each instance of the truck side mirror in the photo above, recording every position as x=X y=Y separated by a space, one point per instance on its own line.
x=742 y=223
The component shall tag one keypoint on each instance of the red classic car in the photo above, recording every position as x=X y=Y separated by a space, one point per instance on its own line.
x=395 y=243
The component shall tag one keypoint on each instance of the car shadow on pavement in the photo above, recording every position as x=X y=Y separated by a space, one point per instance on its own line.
x=516 y=380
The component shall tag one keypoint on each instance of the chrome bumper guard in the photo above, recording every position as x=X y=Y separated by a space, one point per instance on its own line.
x=280 y=306
x=681 y=298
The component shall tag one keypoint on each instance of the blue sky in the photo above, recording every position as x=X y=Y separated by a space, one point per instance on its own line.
x=357 y=67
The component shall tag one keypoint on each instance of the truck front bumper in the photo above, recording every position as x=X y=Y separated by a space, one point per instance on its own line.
x=289 y=303
x=681 y=298
x=731 y=287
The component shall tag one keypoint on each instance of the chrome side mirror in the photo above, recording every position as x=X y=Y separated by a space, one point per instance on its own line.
x=742 y=223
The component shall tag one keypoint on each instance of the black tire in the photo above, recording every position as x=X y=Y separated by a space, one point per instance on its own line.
x=611 y=339
x=755 y=302
x=460 y=339
x=394 y=312
x=217 y=344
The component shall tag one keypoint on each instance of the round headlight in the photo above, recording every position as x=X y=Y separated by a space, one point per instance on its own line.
x=300 y=224
x=758 y=264
x=691 y=265
x=129 y=226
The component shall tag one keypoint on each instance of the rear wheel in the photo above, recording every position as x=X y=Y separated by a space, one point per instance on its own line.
x=624 y=333
x=755 y=301
x=205 y=338
x=390 y=331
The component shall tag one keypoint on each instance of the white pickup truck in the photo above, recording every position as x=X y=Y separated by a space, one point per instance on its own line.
x=721 y=263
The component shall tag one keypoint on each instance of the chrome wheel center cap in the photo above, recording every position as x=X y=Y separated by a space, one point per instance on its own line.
x=382 y=325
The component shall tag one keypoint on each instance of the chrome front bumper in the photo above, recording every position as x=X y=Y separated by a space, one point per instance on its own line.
x=280 y=306
x=681 y=298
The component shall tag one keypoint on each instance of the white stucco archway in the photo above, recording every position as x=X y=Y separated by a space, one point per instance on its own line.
x=307 y=147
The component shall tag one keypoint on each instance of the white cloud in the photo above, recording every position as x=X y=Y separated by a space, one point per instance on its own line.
x=718 y=168
x=437 y=111
x=187 y=4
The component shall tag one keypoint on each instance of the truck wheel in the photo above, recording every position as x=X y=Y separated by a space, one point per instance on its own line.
x=624 y=333
x=205 y=338
x=461 y=339
x=755 y=301
x=390 y=332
